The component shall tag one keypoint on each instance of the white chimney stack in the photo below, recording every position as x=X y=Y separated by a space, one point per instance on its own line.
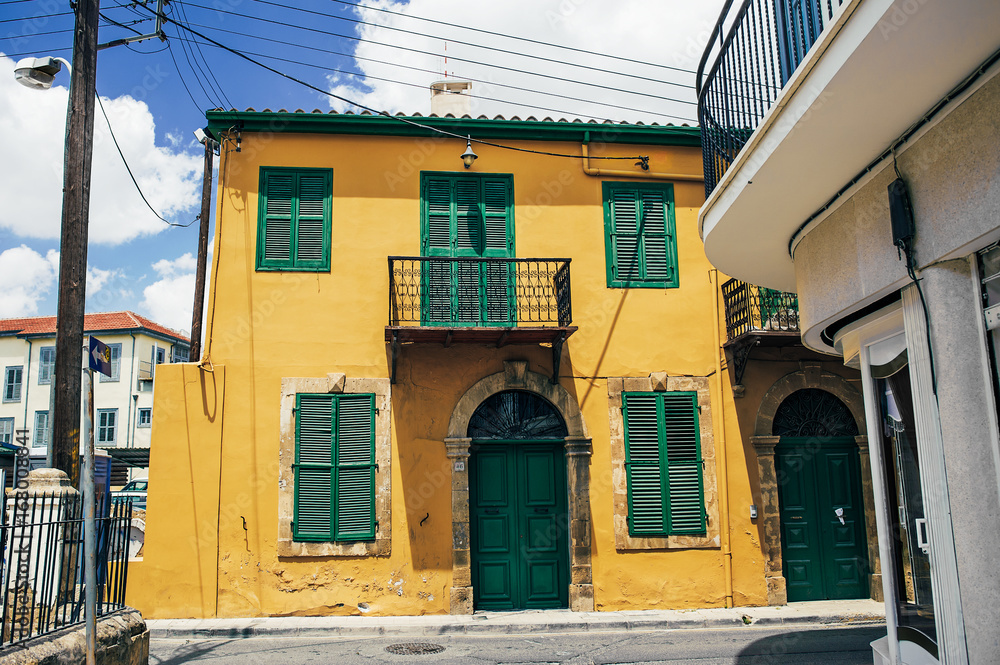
x=451 y=96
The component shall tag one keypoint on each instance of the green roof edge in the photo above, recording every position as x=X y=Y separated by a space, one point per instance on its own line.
x=480 y=128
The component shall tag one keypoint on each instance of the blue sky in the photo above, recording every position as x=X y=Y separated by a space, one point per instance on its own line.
x=383 y=54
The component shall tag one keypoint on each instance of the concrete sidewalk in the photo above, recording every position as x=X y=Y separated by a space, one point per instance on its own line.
x=831 y=612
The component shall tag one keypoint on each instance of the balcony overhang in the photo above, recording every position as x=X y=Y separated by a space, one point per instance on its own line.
x=492 y=336
x=873 y=72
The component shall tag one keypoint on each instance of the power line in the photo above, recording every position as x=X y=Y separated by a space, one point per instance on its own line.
x=431 y=71
x=423 y=87
x=39 y=34
x=127 y=168
x=413 y=50
x=32 y=18
x=473 y=44
x=218 y=85
x=521 y=39
x=181 y=77
x=214 y=101
x=364 y=107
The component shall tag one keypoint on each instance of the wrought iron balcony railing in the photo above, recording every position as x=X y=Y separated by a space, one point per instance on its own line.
x=478 y=292
x=472 y=300
x=756 y=46
x=755 y=309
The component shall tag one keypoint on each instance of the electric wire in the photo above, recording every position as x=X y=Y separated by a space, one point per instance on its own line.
x=181 y=77
x=521 y=39
x=14 y=2
x=210 y=69
x=432 y=54
x=127 y=168
x=213 y=101
x=39 y=34
x=431 y=71
x=401 y=119
x=35 y=18
x=472 y=44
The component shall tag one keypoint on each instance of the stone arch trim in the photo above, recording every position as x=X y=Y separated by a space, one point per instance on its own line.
x=515 y=376
x=811 y=376
x=764 y=443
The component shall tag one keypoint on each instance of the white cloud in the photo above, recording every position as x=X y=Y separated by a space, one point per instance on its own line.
x=32 y=127
x=27 y=277
x=667 y=32
x=169 y=299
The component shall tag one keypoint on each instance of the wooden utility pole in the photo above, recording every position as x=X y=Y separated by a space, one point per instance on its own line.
x=199 y=276
x=73 y=242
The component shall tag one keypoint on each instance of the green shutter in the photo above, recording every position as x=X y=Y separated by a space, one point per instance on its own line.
x=684 y=463
x=663 y=464
x=467 y=215
x=641 y=250
x=355 y=468
x=646 y=515
x=295 y=219
x=334 y=468
x=313 y=468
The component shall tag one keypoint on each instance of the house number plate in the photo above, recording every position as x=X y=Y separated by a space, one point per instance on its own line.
x=460 y=465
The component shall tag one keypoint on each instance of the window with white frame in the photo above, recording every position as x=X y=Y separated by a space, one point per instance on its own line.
x=46 y=364
x=7 y=430
x=41 y=435
x=107 y=426
x=145 y=417
x=116 y=364
x=12 y=384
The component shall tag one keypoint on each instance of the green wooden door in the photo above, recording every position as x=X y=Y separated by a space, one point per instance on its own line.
x=519 y=526
x=824 y=554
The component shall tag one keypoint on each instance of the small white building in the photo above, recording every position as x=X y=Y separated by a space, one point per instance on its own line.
x=123 y=402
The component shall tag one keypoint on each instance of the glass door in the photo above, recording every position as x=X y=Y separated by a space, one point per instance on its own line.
x=906 y=519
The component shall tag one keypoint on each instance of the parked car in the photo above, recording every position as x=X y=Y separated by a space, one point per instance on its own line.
x=135 y=490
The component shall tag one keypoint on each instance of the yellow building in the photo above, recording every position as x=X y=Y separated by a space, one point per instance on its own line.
x=429 y=388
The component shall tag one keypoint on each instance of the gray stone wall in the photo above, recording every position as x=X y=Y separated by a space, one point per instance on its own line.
x=122 y=639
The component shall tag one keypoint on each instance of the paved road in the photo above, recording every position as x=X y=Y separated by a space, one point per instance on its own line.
x=801 y=645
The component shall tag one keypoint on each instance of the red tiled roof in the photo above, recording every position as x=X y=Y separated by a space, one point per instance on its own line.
x=46 y=325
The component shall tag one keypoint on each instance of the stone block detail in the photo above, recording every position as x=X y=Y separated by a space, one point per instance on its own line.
x=461 y=600
x=581 y=597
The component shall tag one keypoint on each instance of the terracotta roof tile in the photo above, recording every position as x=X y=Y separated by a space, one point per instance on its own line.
x=125 y=320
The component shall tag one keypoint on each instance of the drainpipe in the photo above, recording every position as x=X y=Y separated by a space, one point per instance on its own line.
x=643 y=175
x=26 y=382
x=131 y=384
x=720 y=450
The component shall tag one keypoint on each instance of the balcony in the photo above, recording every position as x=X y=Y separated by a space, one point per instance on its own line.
x=757 y=317
x=799 y=99
x=495 y=301
x=145 y=370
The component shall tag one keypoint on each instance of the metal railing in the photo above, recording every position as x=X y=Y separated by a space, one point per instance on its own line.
x=486 y=292
x=752 y=308
x=42 y=571
x=756 y=45
x=145 y=370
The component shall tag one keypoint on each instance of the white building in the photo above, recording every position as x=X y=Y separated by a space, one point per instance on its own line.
x=123 y=402
x=852 y=155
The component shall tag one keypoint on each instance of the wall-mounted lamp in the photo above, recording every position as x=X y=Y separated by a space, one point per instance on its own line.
x=469 y=156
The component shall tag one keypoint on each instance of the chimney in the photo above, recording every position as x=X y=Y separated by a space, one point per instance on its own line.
x=451 y=96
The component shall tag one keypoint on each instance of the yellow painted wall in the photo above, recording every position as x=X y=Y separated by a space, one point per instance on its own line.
x=212 y=473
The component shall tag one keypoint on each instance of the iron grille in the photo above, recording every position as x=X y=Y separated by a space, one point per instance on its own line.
x=765 y=42
x=41 y=538
x=751 y=308
x=484 y=292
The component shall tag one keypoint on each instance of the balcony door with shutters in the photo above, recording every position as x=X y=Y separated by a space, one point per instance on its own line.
x=467 y=216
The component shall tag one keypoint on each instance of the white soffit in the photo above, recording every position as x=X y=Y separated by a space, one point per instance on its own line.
x=876 y=77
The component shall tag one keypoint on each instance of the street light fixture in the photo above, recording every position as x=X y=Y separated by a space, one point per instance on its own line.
x=38 y=73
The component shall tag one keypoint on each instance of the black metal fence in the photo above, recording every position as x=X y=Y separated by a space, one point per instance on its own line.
x=752 y=308
x=41 y=538
x=756 y=45
x=487 y=292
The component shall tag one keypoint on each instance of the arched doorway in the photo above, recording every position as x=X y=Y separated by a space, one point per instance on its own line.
x=518 y=503
x=821 y=505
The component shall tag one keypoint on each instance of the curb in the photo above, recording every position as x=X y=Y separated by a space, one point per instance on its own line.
x=328 y=627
